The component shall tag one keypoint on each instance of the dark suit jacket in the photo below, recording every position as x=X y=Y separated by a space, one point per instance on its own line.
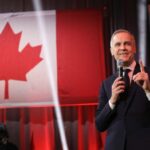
x=128 y=125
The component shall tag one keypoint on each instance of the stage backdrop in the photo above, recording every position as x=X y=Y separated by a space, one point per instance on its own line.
x=76 y=53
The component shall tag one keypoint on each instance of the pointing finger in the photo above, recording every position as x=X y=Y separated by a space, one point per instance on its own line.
x=141 y=66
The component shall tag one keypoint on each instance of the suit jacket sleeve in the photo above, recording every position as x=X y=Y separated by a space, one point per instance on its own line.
x=104 y=114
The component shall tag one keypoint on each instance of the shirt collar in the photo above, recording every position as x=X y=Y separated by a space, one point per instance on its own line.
x=132 y=66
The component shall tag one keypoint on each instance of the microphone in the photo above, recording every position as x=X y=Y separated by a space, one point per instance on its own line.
x=120 y=68
x=120 y=65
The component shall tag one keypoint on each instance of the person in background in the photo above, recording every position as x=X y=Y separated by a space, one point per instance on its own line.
x=124 y=107
x=5 y=144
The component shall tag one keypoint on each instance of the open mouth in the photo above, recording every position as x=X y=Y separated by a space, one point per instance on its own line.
x=123 y=53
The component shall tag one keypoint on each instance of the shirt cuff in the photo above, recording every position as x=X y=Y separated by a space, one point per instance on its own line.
x=148 y=95
x=112 y=106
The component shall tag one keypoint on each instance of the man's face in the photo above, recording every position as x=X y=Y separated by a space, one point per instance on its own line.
x=123 y=47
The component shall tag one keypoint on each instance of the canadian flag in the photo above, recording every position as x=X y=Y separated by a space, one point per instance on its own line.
x=74 y=41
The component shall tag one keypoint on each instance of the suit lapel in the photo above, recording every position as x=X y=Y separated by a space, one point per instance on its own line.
x=132 y=90
x=137 y=69
x=109 y=83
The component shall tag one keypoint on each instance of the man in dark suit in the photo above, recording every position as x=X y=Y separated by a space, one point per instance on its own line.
x=124 y=111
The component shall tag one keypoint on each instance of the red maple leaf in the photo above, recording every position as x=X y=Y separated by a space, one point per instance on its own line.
x=14 y=65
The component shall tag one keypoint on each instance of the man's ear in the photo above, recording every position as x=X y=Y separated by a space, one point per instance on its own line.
x=134 y=49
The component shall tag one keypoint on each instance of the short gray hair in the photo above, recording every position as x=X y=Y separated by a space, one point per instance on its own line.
x=120 y=31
